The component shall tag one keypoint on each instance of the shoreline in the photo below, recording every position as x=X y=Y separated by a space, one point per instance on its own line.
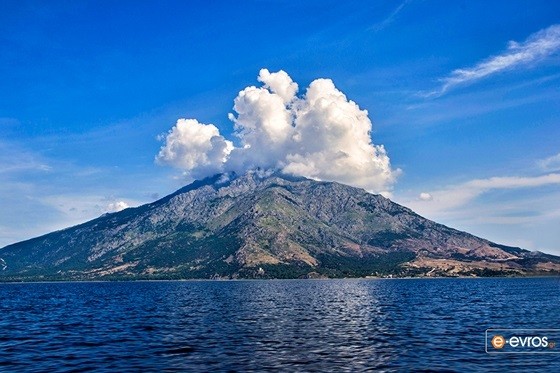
x=274 y=279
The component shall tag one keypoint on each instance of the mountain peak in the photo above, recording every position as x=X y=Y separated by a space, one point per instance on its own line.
x=264 y=224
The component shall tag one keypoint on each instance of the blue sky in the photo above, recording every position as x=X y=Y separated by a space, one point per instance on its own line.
x=464 y=96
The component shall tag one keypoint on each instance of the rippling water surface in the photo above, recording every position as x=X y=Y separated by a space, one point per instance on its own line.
x=290 y=325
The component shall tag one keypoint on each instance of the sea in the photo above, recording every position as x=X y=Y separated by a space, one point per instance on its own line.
x=346 y=325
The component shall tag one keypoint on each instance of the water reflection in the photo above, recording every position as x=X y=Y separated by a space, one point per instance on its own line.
x=304 y=325
x=307 y=325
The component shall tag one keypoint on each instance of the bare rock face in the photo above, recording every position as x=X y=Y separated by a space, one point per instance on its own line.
x=249 y=226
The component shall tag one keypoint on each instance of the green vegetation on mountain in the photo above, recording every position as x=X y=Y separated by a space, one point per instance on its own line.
x=249 y=226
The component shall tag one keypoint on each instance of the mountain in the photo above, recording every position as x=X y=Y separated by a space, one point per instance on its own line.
x=254 y=226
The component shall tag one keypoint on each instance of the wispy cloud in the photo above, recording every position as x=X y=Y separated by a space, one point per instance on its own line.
x=14 y=159
x=39 y=194
x=390 y=18
x=457 y=196
x=58 y=211
x=535 y=48
x=77 y=208
x=551 y=163
x=484 y=208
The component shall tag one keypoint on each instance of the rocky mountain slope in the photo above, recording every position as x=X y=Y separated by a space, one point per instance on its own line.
x=277 y=226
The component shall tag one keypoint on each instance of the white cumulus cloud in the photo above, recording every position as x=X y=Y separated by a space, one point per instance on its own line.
x=117 y=206
x=195 y=147
x=321 y=135
x=425 y=196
